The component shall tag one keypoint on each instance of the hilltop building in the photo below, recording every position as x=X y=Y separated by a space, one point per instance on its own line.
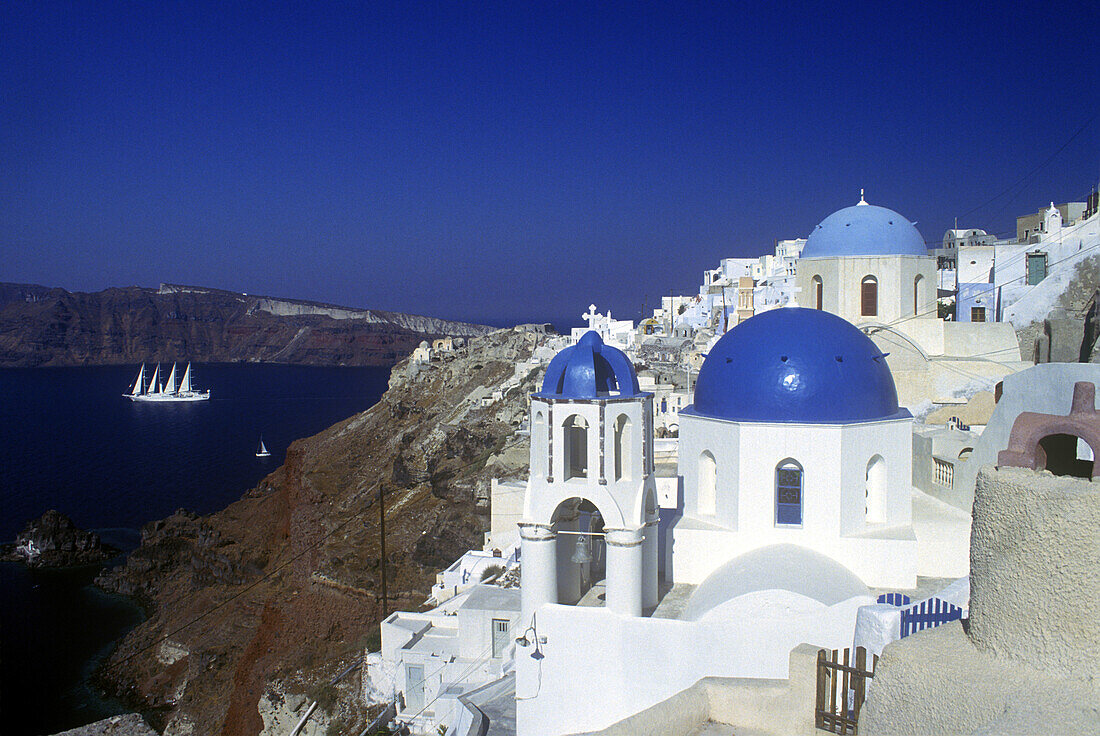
x=618 y=332
x=1007 y=280
x=869 y=265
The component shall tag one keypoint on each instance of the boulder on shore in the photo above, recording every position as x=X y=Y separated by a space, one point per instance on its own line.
x=54 y=541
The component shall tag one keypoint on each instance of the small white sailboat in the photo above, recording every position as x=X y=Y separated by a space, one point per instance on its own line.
x=167 y=393
x=261 y=451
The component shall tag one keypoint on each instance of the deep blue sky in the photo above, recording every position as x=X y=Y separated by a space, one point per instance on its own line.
x=502 y=162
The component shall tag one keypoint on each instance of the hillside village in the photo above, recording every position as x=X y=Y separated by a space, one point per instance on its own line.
x=744 y=511
x=785 y=462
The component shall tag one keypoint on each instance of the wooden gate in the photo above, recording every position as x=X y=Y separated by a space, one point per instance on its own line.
x=841 y=689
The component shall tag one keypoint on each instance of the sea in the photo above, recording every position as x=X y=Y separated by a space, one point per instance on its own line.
x=70 y=441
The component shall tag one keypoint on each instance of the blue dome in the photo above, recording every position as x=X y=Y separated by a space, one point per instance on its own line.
x=864 y=230
x=796 y=365
x=589 y=370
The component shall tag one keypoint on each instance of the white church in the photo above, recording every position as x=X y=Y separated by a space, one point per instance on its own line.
x=795 y=461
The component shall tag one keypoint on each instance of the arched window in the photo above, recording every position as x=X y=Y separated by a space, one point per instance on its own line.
x=788 y=493
x=576 y=447
x=708 y=484
x=623 y=447
x=819 y=289
x=875 y=491
x=916 y=294
x=868 y=297
x=539 y=445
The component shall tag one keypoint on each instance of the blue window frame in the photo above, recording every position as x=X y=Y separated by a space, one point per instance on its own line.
x=788 y=493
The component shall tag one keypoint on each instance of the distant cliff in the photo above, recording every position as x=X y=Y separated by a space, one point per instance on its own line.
x=40 y=326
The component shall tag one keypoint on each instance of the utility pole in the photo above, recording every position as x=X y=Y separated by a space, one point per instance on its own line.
x=382 y=546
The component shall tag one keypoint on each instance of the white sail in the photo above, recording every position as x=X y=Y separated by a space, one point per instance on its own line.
x=139 y=384
x=170 y=387
x=185 y=384
x=262 y=451
x=166 y=394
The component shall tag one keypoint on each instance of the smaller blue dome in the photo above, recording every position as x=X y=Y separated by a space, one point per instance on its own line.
x=864 y=230
x=796 y=365
x=589 y=370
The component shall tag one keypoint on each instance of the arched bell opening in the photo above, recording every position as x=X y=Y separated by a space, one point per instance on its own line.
x=623 y=448
x=581 y=552
x=575 y=431
x=540 y=463
x=1065 y=454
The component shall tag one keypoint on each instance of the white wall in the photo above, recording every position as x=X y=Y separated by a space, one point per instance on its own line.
x=834 y=459
x=599 y=668
x=842 y=279
x=975 y=264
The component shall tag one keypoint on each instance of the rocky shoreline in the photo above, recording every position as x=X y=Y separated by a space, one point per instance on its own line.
x=260 y=604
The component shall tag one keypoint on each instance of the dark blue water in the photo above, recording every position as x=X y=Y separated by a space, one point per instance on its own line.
x=68 y=440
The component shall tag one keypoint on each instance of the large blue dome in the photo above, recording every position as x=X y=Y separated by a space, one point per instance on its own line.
x=589 y=370
x=796 y=365
x=864 y=230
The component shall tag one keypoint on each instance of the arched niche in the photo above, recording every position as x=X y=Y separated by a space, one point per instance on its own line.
x=875 y=491
x=707 y=484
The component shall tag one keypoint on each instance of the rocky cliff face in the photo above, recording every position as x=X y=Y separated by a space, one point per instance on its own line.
x=54 y=327
x=271 y=595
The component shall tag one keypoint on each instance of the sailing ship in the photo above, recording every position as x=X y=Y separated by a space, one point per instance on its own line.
x=168 y=392
x=261 y=451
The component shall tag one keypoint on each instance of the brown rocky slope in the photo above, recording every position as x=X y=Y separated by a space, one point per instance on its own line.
x=40 y=326
x=281 y=588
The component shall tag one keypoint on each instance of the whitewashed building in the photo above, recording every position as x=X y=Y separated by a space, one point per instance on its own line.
x=618 y=332
x=456 y=647
x=795 y=437
x=784 y=509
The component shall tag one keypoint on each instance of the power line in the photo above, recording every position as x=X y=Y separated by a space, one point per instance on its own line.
x=1034 y=171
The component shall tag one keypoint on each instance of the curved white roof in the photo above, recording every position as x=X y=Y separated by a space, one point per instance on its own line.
x=777 y=567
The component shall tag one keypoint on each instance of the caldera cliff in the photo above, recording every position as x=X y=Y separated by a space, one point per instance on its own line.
x=40 y=326
x=264 y=601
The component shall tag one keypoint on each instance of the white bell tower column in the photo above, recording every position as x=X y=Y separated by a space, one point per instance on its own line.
x=624 y=571
x=538 y=555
